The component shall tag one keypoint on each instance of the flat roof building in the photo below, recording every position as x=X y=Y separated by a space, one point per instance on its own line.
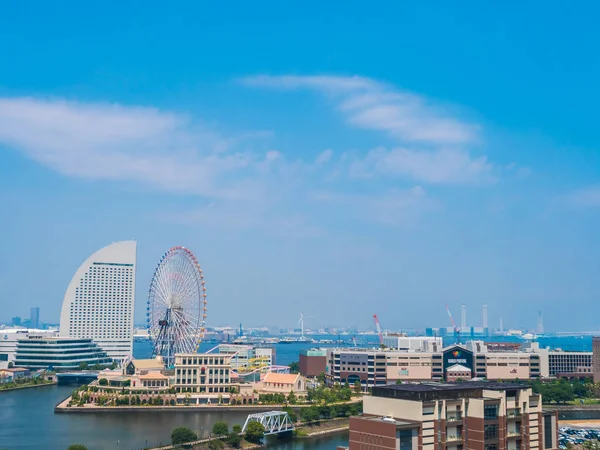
x=312 y=362
x=59 y=353
x=454 y=416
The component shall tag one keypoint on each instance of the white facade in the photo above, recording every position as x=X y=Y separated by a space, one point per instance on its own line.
x=99 y=302
x=413 y=343
x=9 y=338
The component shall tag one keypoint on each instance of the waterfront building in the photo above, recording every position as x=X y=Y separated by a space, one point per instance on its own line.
x=10 y=337
x=99 y=300
x=8 y=375
x=312 y=362
x=282 y=383
x=247 y=358
x=34 y=317
x=378 y=367
x=143 y=366
x=58 y=353
x=206 y=377
x=454 y=416
x=413 y=343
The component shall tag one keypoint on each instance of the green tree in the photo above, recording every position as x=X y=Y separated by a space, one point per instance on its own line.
x=220 y=428
x=182 y=435
x=83 y=366
x=216 y=444
x=234 y=440
x=255 y=432
x=77 y=447
x=11 y=365
x=294 y=367
x=291 y=413
x=321 y=378
x=357 y=387
x=310 y=414
x=236 y=428
x=292 y=398
x=103 y=382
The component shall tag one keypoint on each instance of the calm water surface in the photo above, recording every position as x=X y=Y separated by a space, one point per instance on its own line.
x=28 y=422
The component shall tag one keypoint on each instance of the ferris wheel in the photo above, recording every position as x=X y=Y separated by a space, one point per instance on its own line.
x=176 y=310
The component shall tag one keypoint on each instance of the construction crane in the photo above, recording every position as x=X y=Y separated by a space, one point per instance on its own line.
x=378 y=327
x=456 y=329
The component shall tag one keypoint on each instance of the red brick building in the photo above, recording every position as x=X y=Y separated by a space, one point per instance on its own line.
x=475 y=415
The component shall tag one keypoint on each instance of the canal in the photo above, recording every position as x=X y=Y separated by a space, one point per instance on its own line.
x=28 y=422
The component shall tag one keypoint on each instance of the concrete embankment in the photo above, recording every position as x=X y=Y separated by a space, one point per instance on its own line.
x=323 y=427
x=29 y=386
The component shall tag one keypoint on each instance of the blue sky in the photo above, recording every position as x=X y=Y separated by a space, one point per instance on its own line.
x=336 y=162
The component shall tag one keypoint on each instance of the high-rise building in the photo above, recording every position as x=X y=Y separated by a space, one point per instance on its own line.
x=16 y=321
x=99 y=301
x=34 y=317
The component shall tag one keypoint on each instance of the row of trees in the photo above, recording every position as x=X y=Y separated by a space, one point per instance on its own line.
x=324 y=394
x=255 y=432
x=563 y=391
x=314 y=413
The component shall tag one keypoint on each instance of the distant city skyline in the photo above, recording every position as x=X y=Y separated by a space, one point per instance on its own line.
x=368 y=160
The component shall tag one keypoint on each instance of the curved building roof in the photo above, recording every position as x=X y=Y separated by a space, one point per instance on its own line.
x=99 y=301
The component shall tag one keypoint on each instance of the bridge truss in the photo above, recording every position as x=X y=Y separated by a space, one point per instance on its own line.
x=275 y=422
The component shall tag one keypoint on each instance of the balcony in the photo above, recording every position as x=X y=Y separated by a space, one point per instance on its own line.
x=513 y=434
x=454 y=438
x=453 y=417
x=513 y=413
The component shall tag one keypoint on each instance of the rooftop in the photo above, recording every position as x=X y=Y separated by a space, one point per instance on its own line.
x=282 y=378
x=464 y=386
x=147 y=364
x=438 y=391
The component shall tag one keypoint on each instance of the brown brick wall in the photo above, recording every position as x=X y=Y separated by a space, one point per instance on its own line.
x=371 y=435
x=311 y=366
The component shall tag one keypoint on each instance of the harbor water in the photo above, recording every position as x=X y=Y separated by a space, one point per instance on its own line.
x=28 y=421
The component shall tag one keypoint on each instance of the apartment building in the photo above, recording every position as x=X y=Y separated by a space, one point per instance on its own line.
x=476 y=415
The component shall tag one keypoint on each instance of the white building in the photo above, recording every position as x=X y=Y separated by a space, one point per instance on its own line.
x=9 y=338
x=99 y=301
x=413 y=343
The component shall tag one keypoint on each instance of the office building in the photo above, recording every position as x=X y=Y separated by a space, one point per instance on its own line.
x=34 y=317
x=312 y=362
x=59 y=353
x=16 y=321
x=99 y=300
x=477 y=415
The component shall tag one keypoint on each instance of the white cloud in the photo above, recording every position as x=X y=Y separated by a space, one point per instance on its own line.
x=373 y=105
x=162 y=150
x=588 y=197
x=394 y=207
x=324 y=157
x=446 y=166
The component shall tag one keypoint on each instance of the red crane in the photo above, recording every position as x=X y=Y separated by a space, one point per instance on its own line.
x=378 y=327
x=456 y=329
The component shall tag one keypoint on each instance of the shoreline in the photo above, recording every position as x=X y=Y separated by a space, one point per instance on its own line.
x=61 y=408
x=30 y=386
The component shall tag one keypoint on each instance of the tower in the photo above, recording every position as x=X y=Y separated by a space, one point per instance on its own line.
x=485 y=317
x=463 y=317
x=99 y=300
x=34 y=317
x=540 y=323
